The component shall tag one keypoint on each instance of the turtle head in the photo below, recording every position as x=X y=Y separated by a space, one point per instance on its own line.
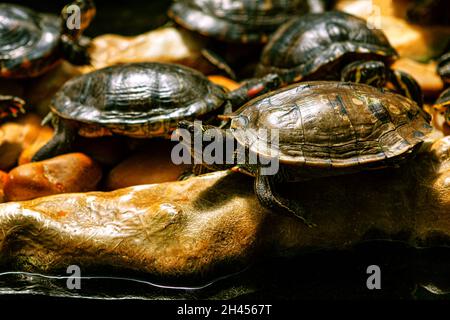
x=368 y=72
x=207 y=145
x=76 y=17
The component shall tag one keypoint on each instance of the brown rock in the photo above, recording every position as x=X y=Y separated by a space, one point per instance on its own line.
x=152 y=165
x=161 y=45
x=73 y=172
x=224 y=82
x=199 y=225
x=3 y=179
x=424 y=73
x=14 y=137
x=44 y=135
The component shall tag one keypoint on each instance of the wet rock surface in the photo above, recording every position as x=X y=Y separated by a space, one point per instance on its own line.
x=214 y=222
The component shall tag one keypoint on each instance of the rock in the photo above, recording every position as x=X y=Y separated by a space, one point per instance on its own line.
x=73 y=172
x=3 y=180
x=15 y=137
x=44 y=135
x=162 y=45
x=214 y=222
x=152 y=165
x=224 y=82
x=424 y=73
x=413 y=41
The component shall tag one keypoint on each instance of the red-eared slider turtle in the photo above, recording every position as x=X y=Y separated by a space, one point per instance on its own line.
x=31 y=43
x=334 y=46
x=325 y=128
x=140 y=100
x=228 y=22
x=443 y=102
x=242 y=21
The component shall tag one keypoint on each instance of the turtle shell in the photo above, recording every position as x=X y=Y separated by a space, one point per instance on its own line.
x=317 y=46
x=328 y=124
x=28 y=41
x=443 y=67
x=137 y=99
x=239 y=20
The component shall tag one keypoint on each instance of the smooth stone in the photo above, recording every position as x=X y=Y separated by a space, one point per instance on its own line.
x=213 y=222
x=3 y=180
x=165 y=44
x=424 y=73
x=224 y=82
x=413 y=41
x=44 y=135
x=74 y=172
x=151 y=165
x=15 y=137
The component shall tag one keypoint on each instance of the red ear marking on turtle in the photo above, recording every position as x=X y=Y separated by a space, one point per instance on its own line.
x=255 y=90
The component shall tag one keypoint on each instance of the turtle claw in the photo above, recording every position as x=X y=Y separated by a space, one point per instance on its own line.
x=11 y=106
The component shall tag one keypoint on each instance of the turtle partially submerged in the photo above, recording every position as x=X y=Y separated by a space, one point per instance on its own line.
x=243 y=21
x=325 y=128
x=31 y=43
x=334 y=46
x=139 y=100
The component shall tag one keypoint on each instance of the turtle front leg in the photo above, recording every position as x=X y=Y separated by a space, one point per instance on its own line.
x=406 y=85
x=10 y=106
x=61 y=142
x=268 y=196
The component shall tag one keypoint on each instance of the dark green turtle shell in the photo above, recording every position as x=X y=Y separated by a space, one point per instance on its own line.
x=239 y=20
x=332 y=125
x=28 y=41
x=316 y=46
x=137 y=99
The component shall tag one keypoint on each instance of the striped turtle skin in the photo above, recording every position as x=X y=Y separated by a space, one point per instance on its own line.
x=241 y=21
x=31 y=43
x=137 y=99
x=328 y=128
x=318 y=46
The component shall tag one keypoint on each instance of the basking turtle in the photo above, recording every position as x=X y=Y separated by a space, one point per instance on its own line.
x=334 y=46
x=31 y=43
x=235 y=22
x=140 y=100
x=242 y=21
x=443 y=102
x=325 y=128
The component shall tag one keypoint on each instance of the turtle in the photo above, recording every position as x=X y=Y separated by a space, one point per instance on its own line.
x=138 y=100
x=334 y=45
x=226 y=22
x=443 y=102
x=31 y=43
x=241 y=21
x=324 y=128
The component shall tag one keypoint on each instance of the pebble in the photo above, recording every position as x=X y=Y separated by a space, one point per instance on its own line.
x=74 y=172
